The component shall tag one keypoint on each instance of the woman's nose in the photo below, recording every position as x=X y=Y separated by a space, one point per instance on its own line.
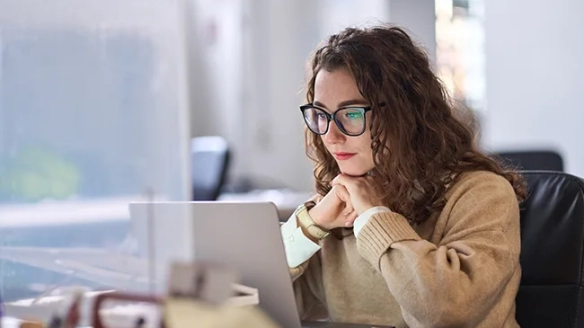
x=334 y=134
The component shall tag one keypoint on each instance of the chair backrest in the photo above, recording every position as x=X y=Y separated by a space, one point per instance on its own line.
x=552 y=251
x=545 y=160
x=210 y=157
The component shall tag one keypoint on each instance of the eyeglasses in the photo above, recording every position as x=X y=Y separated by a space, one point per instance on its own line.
x=350 y=120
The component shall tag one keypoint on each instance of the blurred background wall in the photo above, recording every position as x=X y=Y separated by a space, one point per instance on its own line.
x=254 y=57
x=515 y=65
x=535 y=77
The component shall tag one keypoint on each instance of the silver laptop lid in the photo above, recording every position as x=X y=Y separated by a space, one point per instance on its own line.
x=244 y=236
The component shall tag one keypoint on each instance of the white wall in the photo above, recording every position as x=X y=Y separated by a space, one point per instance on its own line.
x=216 y=68
x=535 y=76
x=419 y=17
x=248 y=81
x=255 y=83
x=279 y=37
x=336 y=15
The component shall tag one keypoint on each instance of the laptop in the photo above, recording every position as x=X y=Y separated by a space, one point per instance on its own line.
x=245 y=236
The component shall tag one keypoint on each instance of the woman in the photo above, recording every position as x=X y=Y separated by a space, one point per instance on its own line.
x=414 y=227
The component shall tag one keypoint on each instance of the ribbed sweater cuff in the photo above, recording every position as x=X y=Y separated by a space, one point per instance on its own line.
x=380 y=232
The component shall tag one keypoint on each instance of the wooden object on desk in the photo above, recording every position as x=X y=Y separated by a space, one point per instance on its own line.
x=199 y=295
x=189 y=313
x=324 y=324
x=31 y=324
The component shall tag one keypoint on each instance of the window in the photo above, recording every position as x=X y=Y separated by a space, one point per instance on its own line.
x=460 y=50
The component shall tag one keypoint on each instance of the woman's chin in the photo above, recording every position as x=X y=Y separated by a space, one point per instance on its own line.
x=354 y=172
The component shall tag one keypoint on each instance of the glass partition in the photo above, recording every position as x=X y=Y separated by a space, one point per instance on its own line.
x=93 y=116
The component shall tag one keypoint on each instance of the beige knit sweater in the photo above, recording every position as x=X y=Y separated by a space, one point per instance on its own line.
x=458 y=269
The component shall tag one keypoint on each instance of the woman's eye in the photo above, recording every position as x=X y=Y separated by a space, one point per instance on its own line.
x=354 y=115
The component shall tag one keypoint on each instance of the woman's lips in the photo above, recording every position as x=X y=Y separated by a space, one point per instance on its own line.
x=341 y=156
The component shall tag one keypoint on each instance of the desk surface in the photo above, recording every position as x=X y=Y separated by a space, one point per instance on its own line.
x=8 y=322
x=320 y=324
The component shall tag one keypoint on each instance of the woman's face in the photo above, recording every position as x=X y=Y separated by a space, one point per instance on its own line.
x=333 y=90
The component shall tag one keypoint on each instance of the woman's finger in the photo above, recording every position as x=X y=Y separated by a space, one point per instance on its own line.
x=343 y=193
x=352 y=184
x=348 y=208
x=350 y=219
x=344 y=196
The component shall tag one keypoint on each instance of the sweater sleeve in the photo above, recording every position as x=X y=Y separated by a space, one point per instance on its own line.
x=308 y=290
x=458 y=281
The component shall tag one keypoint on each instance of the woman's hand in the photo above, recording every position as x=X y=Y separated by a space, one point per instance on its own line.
x=334 y=210
x=362 y=193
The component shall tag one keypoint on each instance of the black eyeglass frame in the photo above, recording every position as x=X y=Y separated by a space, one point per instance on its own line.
x=332 y=117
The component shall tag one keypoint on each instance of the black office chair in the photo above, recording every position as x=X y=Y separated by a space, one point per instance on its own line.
x=533 y=160
x=210 y=158
x=552 y=255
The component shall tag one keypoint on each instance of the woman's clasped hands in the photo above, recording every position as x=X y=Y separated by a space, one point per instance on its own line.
x=348 y=198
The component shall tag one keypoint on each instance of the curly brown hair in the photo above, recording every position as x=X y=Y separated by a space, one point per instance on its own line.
x=420 y=144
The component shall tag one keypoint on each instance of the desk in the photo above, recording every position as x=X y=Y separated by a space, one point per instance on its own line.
x=9 y=322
